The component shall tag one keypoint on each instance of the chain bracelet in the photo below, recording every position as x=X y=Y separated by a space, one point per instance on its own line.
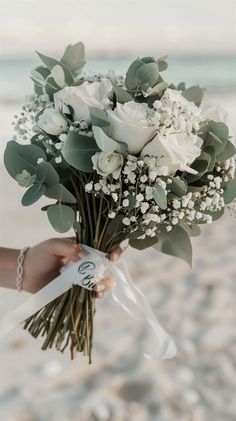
x=20 y=269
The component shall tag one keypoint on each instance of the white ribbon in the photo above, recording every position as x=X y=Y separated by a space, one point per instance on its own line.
x=87 y=272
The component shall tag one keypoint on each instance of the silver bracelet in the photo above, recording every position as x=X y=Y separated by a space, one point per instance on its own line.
x=20 y=269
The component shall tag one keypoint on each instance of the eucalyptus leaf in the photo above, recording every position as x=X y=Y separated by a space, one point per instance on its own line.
x=58 y=75
x=74 y=57
x=33 y=194
x=121 y=94
x=157 y=89
x=148 y=75
x=175 y=243
x=60 y=193
x=200 y=165
x=39 y=75
x=178 y=186
x=61 y=217
x=159 y=195
x=211 y=152
x=78 y=150
x=100 y=119
x=227 y=153
x=194 y=94
x=162 y=64
x=132 y=80
x=230 y=190
x=50 y=63
x=46 y=174
x=141 y=244
x=19 y=157
x=106 y=143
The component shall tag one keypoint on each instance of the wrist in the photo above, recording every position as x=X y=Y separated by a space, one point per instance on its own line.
x=8 y=267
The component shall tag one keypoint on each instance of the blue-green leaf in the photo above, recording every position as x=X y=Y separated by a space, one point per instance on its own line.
x=106 y=143
x=74 y=57
x=78 y=150
x=100 y=119
x=60 y=193
x=121 y=94
x=19 y=157
x=175 y=243
x=33 y=194
x=46 y=174
x=61 y=217
x=159 y=195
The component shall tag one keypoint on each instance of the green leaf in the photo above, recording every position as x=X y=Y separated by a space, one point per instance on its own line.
x=19 y=157
x=159 y=195
x=144 y=243
x=74 y=57
x=121 y=94
x=157 y=89
x=132 y=80
x=192 y=229
x=46 y=174
x=211 y=152
x=215 y=135
x=61 y=217
x=60 y=193
x=195 y=94
x=100 y=119
x=58 y=75
x=50 y=63
x=178 y=186
x=230 y=190
x=106 y=143
x=175 y=243
x=78 y=150
x=148 y=75
x=33 y=194
x=227 y=153
x=39 y=75
x=201 y=165
x=162 y=63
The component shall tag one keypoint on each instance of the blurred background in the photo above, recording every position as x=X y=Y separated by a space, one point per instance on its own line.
x=197 y=306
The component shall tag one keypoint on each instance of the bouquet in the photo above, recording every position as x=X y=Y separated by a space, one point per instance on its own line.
x=125 y=158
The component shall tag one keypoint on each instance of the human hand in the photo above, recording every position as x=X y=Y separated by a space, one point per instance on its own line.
x=43 y=263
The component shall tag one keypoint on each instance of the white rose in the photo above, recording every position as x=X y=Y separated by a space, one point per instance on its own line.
x=80 y=98
x=175 y=151
x=108 y=163
x=52 y=122
x=129 y=124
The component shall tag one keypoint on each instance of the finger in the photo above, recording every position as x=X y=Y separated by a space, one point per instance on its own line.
x=103 y=286
x=65 y=248
x=115 y=254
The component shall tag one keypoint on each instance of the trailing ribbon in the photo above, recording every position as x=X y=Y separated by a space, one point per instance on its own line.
x=87 y=272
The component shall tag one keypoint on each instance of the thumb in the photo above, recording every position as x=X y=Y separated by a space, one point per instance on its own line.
x=65 y=248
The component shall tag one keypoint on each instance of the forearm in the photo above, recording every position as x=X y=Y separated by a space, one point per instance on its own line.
x=8 y=265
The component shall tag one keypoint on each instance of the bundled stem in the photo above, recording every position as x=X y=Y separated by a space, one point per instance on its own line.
x=67 y=321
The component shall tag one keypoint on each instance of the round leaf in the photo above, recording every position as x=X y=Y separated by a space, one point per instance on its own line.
x=33 y=194
x=175 y=243
x=46 y=174
x=19 y=157
x=78 y=150
x=159 y=195
x=61 y=217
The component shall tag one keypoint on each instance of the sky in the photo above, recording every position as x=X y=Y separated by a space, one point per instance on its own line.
x=118 y=27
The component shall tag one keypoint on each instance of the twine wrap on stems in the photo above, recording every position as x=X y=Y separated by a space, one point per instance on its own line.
x=86 y=273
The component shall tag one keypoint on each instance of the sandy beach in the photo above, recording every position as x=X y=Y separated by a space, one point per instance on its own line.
x=197 y=307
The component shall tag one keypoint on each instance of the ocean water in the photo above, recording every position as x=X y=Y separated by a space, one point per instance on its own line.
x=215 y=72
